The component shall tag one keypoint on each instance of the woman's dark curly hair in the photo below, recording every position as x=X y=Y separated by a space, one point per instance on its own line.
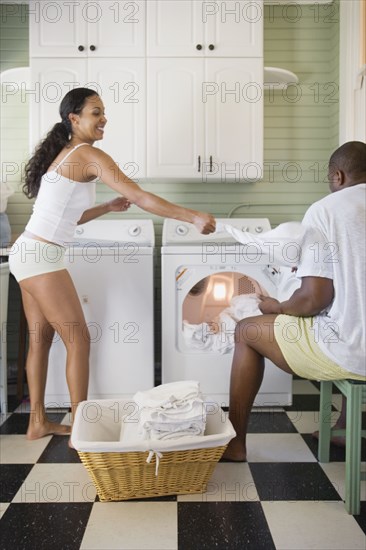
x=55 y=141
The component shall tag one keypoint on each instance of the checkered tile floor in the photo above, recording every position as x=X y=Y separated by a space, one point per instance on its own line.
x=281 y=499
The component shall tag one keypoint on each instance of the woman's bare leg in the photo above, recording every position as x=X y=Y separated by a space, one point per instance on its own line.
x=40 y=339
x=53 y=295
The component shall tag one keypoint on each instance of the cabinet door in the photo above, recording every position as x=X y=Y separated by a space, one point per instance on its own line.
x=175 y=117
x=122 y=86
x=174 y=28
x=58 y=29
x=118 y=30
x=233 y=28
x=234 y=119
x=51 y=79
x=79 y=28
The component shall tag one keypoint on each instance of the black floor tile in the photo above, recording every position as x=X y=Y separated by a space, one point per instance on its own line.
x=17 y=423
x=59 y=451
x=361 y=518
x=44 y=526
x=292 y=481
x=223 y=525
x=13 y=403
x=304 y=402
x=336 y=454
x=12 y=477
x=270 y=422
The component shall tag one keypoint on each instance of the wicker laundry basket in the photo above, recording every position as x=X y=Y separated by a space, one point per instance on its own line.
x=120 y=473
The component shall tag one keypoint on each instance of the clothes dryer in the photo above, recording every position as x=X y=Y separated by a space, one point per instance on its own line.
x=111 y=264
x=208 y=281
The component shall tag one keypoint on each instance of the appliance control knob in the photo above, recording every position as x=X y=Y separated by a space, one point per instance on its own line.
x=259 y=229
x=245 y=228
x=181 y=230
x=79 y=231
x=134 y=230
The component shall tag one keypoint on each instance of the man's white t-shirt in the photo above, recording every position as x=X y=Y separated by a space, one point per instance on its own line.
x=341 y=218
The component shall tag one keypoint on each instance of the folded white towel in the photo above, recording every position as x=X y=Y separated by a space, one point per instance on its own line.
x=171 y=410
x=168 y=395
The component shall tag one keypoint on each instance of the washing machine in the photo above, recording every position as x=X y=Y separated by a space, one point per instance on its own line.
x=207 y=280
x=111 y=264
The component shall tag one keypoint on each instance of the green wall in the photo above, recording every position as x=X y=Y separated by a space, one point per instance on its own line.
x=300 y=126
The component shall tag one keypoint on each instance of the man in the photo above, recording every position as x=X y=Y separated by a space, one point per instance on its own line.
x=319 y=333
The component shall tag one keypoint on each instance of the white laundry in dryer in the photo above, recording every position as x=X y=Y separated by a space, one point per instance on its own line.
x=209 y=282
x=111 y=264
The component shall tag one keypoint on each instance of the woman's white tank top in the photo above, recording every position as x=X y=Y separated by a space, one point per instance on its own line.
x=59 y=205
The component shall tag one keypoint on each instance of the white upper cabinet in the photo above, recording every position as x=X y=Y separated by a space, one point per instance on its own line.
x=195 y=28
x=205 y=118
x=79 y=28
x=121 y=83
x=232 y=95
x=175 y=138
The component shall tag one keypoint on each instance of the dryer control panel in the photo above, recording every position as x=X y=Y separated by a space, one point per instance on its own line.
x=177 y=232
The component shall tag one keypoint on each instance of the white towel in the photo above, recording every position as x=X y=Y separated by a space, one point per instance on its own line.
x=171 y=410
x=168 y=395
x=218 y=336
x=281 y=246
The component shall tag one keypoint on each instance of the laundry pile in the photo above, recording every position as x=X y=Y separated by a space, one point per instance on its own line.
x=171 y=411
x=218 y=336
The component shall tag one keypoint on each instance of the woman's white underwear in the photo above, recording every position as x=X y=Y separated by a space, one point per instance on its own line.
x=29 y=257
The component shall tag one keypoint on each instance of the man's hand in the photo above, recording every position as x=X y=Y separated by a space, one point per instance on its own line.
x=269 y=305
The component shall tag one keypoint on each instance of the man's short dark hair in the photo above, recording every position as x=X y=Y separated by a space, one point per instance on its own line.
x=350 y=158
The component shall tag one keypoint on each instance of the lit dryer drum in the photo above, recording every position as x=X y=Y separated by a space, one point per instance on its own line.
x=208 y=283
x=111 y=264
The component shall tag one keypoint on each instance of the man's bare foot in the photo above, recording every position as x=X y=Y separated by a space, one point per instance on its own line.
x=235 y=452
x=337 y=440
x=39 y=430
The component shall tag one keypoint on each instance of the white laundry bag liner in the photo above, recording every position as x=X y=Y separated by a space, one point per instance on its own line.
x=98 y=425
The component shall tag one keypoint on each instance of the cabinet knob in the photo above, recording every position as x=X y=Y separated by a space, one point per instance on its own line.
x=199 y=47
x=211 y=47
x=93 y=48
x=81 y=48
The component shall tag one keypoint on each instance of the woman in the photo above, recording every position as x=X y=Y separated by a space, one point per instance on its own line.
x=61 y=175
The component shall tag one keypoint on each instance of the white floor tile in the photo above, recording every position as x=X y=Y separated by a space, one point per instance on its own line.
x=336 y=472
x=132 y=526
x=57 y=483
x=312 y=525
x=16 y=449
x=229 y=482
x=307 y=422
x=278 y=448
x=3 y=507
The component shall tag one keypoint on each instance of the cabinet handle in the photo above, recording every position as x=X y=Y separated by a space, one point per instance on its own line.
x=81 y=48
x=199 y=163
x=93 y=48
x=199 y=47
x=210 y=164
x=211 y=47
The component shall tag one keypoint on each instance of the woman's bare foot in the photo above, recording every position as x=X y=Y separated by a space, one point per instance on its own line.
x=39 y=430
x=235 y=451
